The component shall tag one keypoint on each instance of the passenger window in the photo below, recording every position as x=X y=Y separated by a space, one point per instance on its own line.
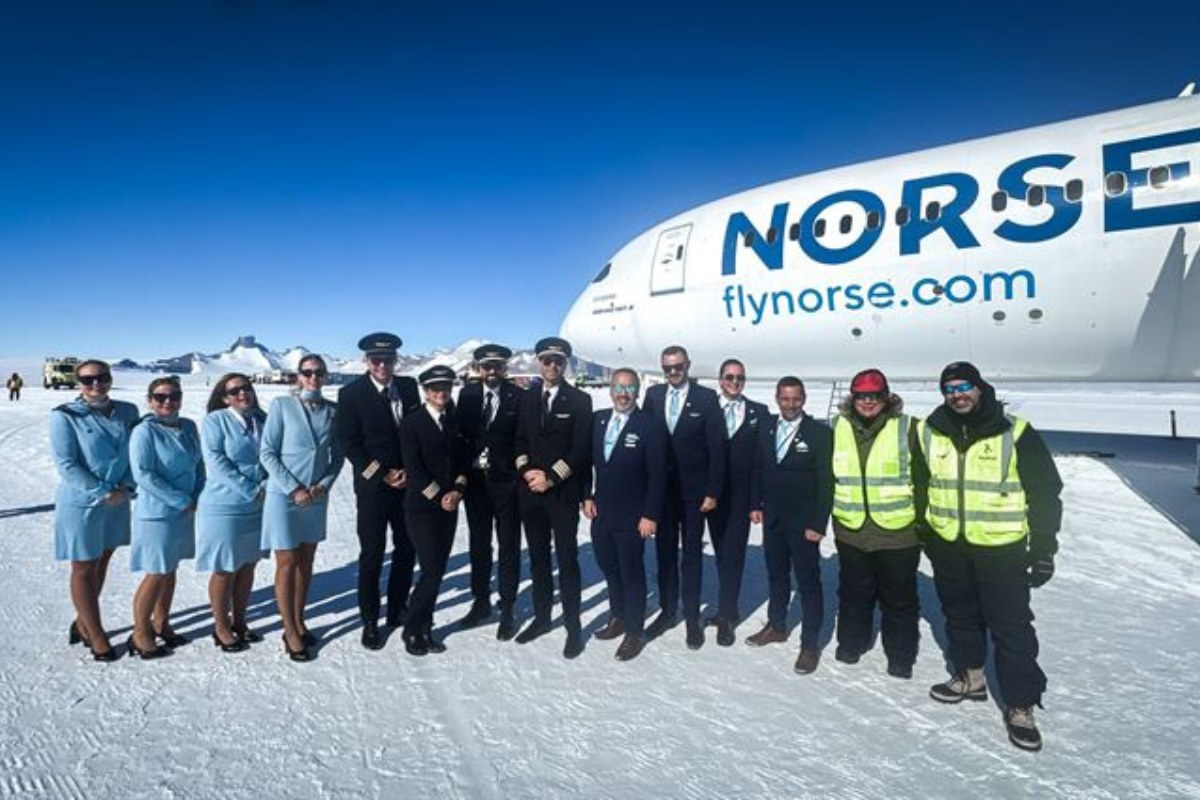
x=933 y=211
x=749 y=238
x=819 y=228
x=1115 y=184
x=1159 y=177
x=844 y=225
x=902 y=216
x=873 y=220
x=1074 y=190
x=770 y=236
x=1035 y=196
x=999 y=201
x=794 y=232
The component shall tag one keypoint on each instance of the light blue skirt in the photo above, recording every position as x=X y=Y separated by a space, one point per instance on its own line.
x=160 y=544
x=227 y=540
x=286 y=525
x=84 y=533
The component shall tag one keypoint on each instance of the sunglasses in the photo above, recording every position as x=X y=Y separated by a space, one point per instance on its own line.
x=962 y=387
x=868 y=397
x=553 y=361
x=91 y=380
x=379 y=361
x=234 y=391
x=625 y=389
x=314 y=373
x=494 y=365
x=734 y=378
x=166 y=397
x=680 y=367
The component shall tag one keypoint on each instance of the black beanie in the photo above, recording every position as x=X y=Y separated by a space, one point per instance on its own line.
x=962 y=371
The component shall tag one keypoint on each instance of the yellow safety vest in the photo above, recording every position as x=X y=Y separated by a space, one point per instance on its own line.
x=881 y=490
x=978 y=493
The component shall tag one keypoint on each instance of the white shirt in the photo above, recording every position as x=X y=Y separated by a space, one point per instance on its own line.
x=433 y=412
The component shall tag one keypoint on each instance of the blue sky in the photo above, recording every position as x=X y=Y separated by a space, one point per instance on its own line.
x=174 y=174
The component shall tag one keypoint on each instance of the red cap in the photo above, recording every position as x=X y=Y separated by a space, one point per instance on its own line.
x=869 y=380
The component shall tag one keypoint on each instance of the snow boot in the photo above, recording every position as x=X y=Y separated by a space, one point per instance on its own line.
x=965 y=685
x=1022 y=730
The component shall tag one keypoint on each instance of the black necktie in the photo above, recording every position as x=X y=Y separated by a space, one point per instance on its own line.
x=487 y=410
x=545 y=407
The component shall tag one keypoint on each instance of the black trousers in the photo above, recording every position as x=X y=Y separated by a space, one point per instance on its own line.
x=986 y=589
x=493 y=502
x=888 y=577
x=729 y=526
x=432 y=534
x=377 y=509
x=790 y=553
x=682 y=523
x=620 y=553
x=551 y=520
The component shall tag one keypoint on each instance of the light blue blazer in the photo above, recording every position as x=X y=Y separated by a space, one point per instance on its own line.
x=91 y=451
x=235 y=476
x=299 y=447
x=167 y=466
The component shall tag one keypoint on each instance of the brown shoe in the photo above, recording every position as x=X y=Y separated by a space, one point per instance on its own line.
x=612 y=630
x=807 y=661
x=630 y=647
x=767 y=635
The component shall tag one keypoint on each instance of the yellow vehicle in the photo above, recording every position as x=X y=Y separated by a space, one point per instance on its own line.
x=58 y=372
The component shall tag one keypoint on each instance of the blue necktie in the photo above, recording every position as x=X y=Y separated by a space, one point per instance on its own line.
x=783 y=435
x=731 y=417
x=673 y=410
x=612 y=434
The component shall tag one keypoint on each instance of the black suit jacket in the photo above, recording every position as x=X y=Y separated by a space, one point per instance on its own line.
x=697 y=453
x=795 y=494
x=367 y=430
x=561 y=447
x=632 y=482
x=436 y=459
x=499 y=437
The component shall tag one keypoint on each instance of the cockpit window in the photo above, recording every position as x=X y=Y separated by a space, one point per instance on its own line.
x=602 y=274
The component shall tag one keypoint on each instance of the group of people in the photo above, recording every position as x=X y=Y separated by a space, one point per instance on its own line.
x=972 y=487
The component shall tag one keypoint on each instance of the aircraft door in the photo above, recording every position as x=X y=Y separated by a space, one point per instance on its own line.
x=670 y=258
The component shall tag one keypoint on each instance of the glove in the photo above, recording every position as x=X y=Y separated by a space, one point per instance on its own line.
x=1041 y=569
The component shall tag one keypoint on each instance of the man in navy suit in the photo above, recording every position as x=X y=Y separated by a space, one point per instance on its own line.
x=553 y=459
x=368 y=429
x=695 y=474
x=487 y=414
x=729 y=523
x=624 y=503
x=792 y=497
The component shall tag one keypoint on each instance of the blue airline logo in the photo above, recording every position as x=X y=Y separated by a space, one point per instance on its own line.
x=1119 y=212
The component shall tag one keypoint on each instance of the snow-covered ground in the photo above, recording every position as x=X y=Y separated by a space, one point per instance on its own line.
x=1118 y=624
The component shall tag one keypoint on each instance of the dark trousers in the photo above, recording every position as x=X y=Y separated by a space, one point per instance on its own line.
x=377 y=509
x=682 y=522
x=986 y=589
x=495 y=502
x=549 y=519
x=432 y=534
x=888 y=577
x=620 y=552
x=729 y=526
x=790 y=553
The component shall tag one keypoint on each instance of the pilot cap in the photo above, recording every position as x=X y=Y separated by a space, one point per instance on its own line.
x=439 y=373
x=380 y=344
x=553 y=346
x=492 y=352
x=869 y=380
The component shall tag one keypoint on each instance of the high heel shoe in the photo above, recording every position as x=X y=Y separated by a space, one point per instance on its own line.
x=173 y=639
x=75 y=636
x=296 y=655
x=236 y=646
x=247 y=635
x=146 y=655
x=108 y=655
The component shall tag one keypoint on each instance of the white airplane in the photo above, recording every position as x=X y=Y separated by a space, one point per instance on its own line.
x=1070 y=250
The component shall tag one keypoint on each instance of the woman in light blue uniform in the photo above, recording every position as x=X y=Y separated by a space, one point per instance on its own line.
x=229 y=514
x=90 y=441
x=302 y=458
x=164 y=453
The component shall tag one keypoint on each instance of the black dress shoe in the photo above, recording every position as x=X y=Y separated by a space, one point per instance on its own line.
x=478 y=613
x=845 y=655
x=302 y=655
x=396 y=619
x=507 y=628
x=372 y=639
x=173 y=639
x=248 y=636
x=661 y=624
x=725 y=637
x=612 y=630
x=539 y=627
x=144 y=655
x=434 y=644
x=630 y=647
x=574 y=645
x=695 y=636
x=416 y=645
x=236 y=646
